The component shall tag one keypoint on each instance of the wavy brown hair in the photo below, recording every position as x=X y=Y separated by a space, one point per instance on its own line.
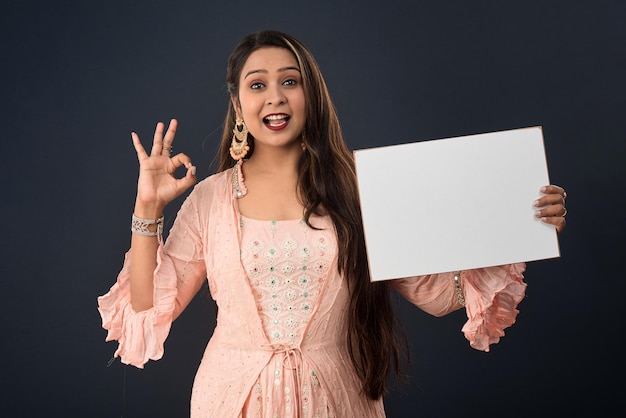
x=327 y=184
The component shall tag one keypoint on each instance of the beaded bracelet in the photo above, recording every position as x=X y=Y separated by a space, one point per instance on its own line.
x=459 y=290
x=140 y=226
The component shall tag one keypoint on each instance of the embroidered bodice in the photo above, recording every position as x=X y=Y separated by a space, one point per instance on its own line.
x=286 y=263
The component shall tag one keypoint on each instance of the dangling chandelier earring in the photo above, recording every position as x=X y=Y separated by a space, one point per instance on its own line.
x=239 y=146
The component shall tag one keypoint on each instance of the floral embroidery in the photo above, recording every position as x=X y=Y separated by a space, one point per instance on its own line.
x=304 y=280
x=287 y=263
x=305 y=253
x=289 y=245
x=271 y=254
x=321 y=267
x=254 y=270
x=288 y=268
x=292 y=322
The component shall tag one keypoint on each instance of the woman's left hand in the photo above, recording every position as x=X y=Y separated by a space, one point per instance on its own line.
x=551 y=206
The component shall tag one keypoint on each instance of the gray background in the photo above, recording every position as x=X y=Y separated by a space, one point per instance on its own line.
x=78 y=77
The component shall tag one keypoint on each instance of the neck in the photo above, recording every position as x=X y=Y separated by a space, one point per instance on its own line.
x=275 y=161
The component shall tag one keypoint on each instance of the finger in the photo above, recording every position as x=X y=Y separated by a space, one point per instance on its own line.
x=556 y=210
x=157 y=141
x=179 y=160
x=551 y=195
x=547 y=200
x=558 y=222
x=141 y=152
x=169 y=136
x=190 y=176
x=191 y=172
x=189 y=179
x=553 y=189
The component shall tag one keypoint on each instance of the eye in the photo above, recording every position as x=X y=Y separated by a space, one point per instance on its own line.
x=290 y=82
x=257 y=85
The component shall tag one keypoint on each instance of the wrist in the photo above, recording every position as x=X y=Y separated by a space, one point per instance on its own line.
x=458 y=288
x=147 y=227
x=148 y=210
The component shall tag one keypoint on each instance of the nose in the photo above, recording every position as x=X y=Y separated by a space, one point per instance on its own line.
x=275 y=95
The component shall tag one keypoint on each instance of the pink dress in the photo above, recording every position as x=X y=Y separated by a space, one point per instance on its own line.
x=287 y=264
x=279 y=347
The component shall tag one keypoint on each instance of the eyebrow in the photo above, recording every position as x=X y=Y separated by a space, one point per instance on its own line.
x=280 y=70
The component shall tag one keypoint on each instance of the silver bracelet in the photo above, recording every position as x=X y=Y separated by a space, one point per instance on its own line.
x=459 y=290
x=140 y=226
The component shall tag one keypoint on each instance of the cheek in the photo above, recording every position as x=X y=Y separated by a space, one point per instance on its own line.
x=249 y=106
x=299 y=103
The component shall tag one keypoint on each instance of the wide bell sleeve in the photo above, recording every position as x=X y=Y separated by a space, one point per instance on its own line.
x=491 y=297
x=179 y=274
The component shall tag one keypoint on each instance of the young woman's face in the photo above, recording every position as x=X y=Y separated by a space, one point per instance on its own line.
x=271 y=98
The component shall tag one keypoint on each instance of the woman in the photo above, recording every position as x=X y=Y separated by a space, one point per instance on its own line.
x=277 y=232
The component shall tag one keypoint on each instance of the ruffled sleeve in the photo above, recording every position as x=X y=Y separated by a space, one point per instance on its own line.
x=491 y=296
x=179 y=274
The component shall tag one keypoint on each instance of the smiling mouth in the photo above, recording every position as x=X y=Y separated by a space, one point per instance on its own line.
x=276 y=121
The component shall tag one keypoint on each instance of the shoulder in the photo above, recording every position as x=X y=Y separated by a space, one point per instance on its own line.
x=218 y=182
x=218 y=179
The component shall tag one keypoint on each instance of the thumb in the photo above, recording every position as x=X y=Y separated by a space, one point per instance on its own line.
x=189 y=179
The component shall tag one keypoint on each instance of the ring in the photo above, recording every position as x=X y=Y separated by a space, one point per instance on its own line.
x=168 y=149
x=564 y=213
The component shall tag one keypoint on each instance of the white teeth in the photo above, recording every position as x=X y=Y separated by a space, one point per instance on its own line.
x=275 y=117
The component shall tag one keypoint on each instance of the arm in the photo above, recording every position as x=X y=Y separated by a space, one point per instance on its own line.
x=153 y=286
x=156 y=187
x=433 y=293
x=491 y=296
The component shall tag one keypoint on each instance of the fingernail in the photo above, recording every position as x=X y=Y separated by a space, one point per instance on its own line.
x=193 y=170
x=543 y=189
x=536 y=203
x=538 y=213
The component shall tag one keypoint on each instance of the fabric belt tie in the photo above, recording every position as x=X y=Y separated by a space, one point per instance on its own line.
x=292 y=359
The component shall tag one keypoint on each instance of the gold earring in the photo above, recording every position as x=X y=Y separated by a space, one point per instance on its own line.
x=239 y=146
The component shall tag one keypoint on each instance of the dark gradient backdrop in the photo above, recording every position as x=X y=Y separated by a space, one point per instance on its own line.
x=77 y=77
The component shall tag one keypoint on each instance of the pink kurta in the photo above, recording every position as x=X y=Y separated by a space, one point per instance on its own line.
x=287 y=264
x=279 y=346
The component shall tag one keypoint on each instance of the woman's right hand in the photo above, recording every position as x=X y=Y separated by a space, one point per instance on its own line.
x=157 y=185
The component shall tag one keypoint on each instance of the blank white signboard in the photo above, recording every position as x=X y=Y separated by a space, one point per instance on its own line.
x=454 y=204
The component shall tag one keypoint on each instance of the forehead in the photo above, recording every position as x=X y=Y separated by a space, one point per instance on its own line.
x=269 y=59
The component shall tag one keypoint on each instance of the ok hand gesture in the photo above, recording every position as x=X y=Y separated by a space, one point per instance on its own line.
x=157 y=185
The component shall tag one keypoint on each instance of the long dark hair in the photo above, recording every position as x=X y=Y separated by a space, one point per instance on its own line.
x=327 y=184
